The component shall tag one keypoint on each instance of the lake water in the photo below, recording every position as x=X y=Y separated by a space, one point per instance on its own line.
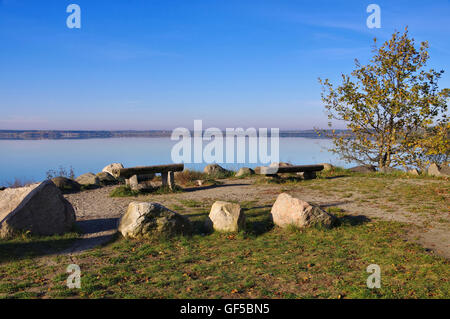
x=29 y=160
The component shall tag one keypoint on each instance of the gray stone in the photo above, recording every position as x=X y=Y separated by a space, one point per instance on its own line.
x=288 y=210
x=363 y=169
x=66 y=185
x=109 y=169
x=243 y=171
x=133 y=183
x=144 y=219
x=39 y=208
x=215 y=169
x=225 y=217
x=106 y=178
x=414 y=172
x=88 y=179
x=435 y=170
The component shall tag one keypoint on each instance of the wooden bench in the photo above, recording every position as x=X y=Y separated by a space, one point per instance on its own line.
x=135 y=175
x=309 y=171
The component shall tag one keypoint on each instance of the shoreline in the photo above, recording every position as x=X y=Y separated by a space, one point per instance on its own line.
x=15 y=135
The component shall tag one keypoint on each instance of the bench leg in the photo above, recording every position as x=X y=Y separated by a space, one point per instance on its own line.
x=171 y=180
x=168 y=180
x=164 y=179
x=133 y=182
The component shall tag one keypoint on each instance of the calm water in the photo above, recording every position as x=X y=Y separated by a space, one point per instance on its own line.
x=30 y=160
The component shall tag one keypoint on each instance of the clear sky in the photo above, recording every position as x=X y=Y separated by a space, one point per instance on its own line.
x=141 y=65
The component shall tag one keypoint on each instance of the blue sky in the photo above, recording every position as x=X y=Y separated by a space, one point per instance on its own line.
x=162 y=64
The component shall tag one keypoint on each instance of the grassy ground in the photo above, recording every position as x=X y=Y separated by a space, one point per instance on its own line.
x=262 y=262
x=423 y=195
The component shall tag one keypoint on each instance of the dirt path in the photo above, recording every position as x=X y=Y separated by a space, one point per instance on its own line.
x=98 y=214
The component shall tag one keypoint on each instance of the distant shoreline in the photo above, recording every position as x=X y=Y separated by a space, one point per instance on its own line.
x=79 y=135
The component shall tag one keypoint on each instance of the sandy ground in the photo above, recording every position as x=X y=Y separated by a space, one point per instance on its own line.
x=98 y=214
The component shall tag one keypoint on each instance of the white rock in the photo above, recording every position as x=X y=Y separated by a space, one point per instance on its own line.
x=144 y=219
x=225 y=217
x=109 y=169
x=288 y=210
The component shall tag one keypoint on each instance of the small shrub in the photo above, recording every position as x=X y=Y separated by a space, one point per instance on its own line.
x=222 y=175
x=61 y=171
x=190 y=178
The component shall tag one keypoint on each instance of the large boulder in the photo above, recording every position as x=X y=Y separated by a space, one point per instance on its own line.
x=288 y=210
x=105 y=178
x=244 y=171
x=111 y=167
x=215 y=169
x=88 y=179
x=435 y=170
x=414 y=172
x=363 y=169
x=225 y=217
x=39 y=208
x=144 y=219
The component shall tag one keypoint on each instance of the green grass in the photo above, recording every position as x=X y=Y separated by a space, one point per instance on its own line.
x=262 y=262
x=190 y=203
x=24 y=246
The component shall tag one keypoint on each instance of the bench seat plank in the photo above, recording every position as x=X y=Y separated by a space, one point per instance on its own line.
x=143 y=170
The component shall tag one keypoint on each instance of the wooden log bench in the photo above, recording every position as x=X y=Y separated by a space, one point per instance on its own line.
x=309 y=171
x=135 y=175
